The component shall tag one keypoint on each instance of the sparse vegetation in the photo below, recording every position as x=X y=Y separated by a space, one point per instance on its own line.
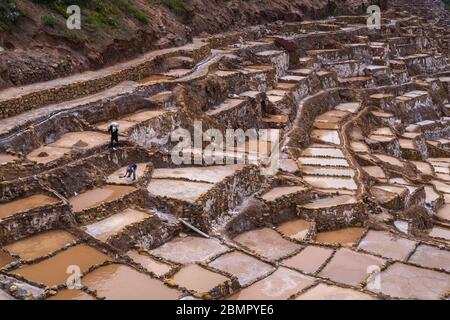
x=9 y=12
x=75 y=36
x=176 y=6
x=49 y=21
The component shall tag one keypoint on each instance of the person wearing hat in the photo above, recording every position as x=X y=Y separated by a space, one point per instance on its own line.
x=114 y=130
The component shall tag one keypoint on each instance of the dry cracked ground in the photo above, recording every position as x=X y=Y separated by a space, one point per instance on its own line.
x=359 y=208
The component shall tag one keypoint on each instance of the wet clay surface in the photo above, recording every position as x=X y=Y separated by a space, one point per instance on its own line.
x=67 y=294
x=347 y=236
x=296 y=229
x=328 y=292
x=309 y=259
x=349 y=267
x=158 y=268
x=408 y=282
x=246 y=268
x=198 y=279
x=40 y=245
x=120 y=282
x=280 y=285
x=97 y=196
x=387 y=245
x=25 y=204
x=81 y=255
x=267 y=243
x=190 y=249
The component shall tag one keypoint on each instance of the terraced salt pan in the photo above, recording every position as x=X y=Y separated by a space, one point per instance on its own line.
x=444 y=212
x=157 y=267
x=387 y=245
x=330 y=202
x=114 y=224
x=4 y=296
x=41 y=244
x=349 y=267
x=81 y=140
x=331 y=162
x=323 y=152
x=97 y=196
x=375 y=171
x=309 y=170
x=408 y=282
x=278 y=192
x=119 y=282
x=440 y=233
x=296 y=229
x=132 y=120
x=53 y=271
x=389 y=159
x=351 y=107
x=190 y=250
x=5 y=158
x=25 y=204
x=74 y=294
x=358 y=146
x=324 y=182
x=430 y=195
x=178 y=189
x=211 y=174
x=46 y=154
x=329 y=292
x=280 y=285
x=431 y=257
x=346 y=236
x=118 y=176
x=198 y=279
x=441 y=186
x=267 y=242
x=392 y=189
x=308 y=260
x=327 y=136
x=246 y=268
x=5 y=259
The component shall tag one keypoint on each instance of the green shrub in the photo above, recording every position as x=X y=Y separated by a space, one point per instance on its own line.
x=75 y=36
x=49 y=21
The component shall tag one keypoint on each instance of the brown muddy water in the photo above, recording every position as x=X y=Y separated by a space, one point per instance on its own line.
x=278 y=192
x=296 y=229
x=97 y=196
x=309 y=259
x=5 y=259
x=67 y=294
x=347 y=236
x=25 y=204
x=120 y=282
x=53 y=271
x=41 y=244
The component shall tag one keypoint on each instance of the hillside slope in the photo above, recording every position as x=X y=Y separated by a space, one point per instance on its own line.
x=35 y=44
